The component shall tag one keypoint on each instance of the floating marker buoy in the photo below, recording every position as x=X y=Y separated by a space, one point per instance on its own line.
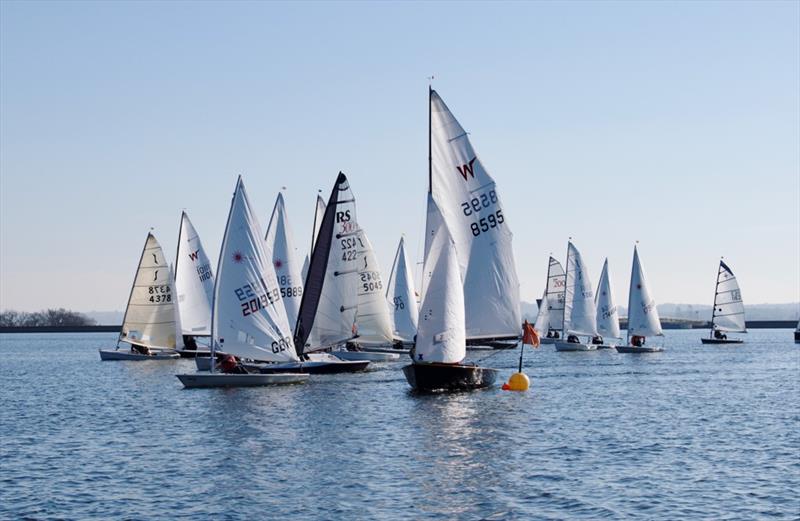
x=517 y=382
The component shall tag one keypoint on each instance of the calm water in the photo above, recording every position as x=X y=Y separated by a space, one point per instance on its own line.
x=696 y=431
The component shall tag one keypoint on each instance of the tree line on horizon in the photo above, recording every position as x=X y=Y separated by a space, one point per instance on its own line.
x=44 y=318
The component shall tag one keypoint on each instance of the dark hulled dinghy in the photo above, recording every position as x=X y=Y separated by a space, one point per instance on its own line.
x=643 y=319
x=727 y=315
x=327 y=314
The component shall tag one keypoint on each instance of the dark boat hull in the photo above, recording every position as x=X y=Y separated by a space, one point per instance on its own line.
x=345 y=366
x=797 y=337
x=721 y=341
x=635 y=350
x=435 y=377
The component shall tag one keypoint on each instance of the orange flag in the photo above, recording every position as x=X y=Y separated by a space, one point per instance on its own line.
x=529 y=335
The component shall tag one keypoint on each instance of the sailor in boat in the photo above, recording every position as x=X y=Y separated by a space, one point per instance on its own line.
x=230 y=365
x=637 y=341
x=573 y=339
x=719 y=335
x=189 y=343
x=597 y=340
x=142 y=350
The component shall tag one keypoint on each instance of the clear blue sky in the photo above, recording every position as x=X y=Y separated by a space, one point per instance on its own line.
x=677 y=124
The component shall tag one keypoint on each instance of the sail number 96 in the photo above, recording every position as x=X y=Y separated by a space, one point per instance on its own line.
x=493 y=220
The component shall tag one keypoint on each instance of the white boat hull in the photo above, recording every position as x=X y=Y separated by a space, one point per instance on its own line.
x=193 y=381
x=570 y=346
x=112 y=354
x=372 y=356
x=547 y=341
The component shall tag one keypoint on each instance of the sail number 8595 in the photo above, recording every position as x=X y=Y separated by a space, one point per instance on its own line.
x=493 y=220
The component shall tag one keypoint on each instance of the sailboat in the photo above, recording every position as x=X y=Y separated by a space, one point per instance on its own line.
x=194 y=287
x=580 y=314
x=285 y=261
x=440 y=348
x=373 y=322
x=607 y=315
x=328 y=308
x=465 y=227
x=248 y=319
x=150 y=323
x=469 y=203
x=555 y=293
x=542 y=323
x=401 y=298
x=728 y=312
x=643 y=320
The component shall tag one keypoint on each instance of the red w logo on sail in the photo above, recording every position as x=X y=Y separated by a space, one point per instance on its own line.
x=467 y=169
x=193 y=255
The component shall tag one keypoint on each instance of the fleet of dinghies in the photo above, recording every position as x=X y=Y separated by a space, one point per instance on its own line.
x=267 y=319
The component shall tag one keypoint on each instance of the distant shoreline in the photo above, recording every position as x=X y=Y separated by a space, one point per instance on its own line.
x=666 y=324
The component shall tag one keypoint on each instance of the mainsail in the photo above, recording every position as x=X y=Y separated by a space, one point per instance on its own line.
x=470 y=206
x=556 y=293
x=441 y=336
x=542 y=324
x=607 y=316
x=285 y=260
x=728 y=313
x=329 y=296
x=150 y=315
x=643 y=317
x=401 y=298
x=194 y=282
x=580 y=314
x=372 y=319
x=249 y=319
x=319 y=211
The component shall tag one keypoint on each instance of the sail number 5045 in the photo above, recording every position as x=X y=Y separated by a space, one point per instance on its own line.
x=493 y=220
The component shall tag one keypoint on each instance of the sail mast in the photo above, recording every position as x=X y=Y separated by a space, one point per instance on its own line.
x=178 y=248
x=566 y=290
x=430 y=155
x=217 y=278
x=714 y=308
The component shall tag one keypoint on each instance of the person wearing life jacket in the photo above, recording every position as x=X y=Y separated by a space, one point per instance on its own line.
x=597 y=340
x=229 y=365
x=637 y=341
x=719 y=335
x=140 y=349
x=573 y=339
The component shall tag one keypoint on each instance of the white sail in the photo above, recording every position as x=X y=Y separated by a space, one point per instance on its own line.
x=401 y=298
x=305 y=268
x=542 y=324
x=470 y=205
x=728 y=313
x=194 y=282
x=556 y=293
x=441 y=336
x=150 y=314
x=335 y=319
x=643 y=317
x=285 y=260
x=179 y=344
x=319 y=211
x=373 y=321
x=580 y=314
x=607 y=315
x=249 y=319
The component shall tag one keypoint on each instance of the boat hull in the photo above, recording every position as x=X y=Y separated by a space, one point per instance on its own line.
x=435 y=377
x=634 y=349
x=722 y=341
x=390 y=350
x=112 y=354
x=194 y=381
x=370 y=356
x=548 y=341
x=604 y=346
x=312 y=367
x=571 y=346
x=797 y=337
x=194 y=353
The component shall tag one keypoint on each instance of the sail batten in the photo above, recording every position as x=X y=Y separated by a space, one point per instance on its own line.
x=728 y=311
x=249 y=318
x=469 y=203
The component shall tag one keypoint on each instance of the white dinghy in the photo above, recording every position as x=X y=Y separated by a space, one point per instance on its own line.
x=149 y=326
x=580 y=315
x=607 y=314
x=401 y=299
x=643 y=320
x=248 y=319
x=727 y=316
x=555 y=293
x=194 y=287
